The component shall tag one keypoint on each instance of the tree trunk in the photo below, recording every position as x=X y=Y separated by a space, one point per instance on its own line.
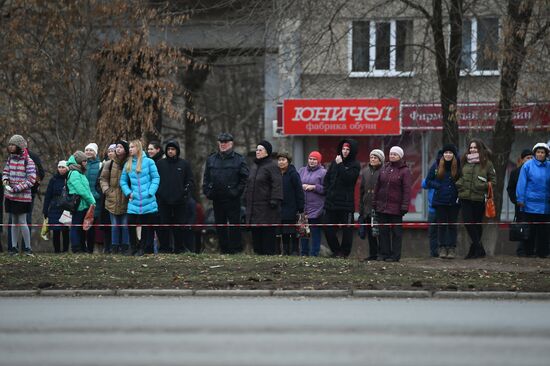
x=448 y=68
x=515 y=31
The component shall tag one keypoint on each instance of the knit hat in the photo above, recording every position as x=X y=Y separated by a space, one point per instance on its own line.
x=284 y=154
x=379 y=154
x=316 y=155
x=112 y=147
x=79 y=157
x=452 y=148
x=92 y=146
x=125 y=145
x=526 y=152
x=267 y=146
x=397 y=150
x=18 y=141
x=62 y=163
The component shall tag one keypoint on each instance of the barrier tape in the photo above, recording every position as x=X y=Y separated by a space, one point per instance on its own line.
x=355 y=225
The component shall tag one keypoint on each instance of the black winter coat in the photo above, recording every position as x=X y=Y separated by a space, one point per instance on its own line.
x=264 y=187
x=513 y=183
x=340 y=180
x=225 y=176
x=51 y=208
x=176 y=179
x=293 y=194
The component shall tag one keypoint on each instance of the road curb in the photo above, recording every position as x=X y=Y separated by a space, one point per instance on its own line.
x=154 y=292
x=16 y=293
x=394 y=294
x=488 y=295
x=312 y=293
x=231 y=293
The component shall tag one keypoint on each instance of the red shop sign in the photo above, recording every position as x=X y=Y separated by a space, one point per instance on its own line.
x=480 y=116
x=341 y=117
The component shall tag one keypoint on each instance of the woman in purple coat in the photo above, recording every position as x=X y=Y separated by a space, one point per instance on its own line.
x=312 y=177
x=392 y=195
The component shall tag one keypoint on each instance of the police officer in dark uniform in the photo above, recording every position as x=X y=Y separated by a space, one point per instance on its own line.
x=224 y=182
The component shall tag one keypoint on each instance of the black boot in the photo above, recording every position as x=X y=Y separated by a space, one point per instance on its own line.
x=124 y=249
x=471 y=252
x=480 y=251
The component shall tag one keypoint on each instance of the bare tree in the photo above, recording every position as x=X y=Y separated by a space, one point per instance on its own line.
x=519 y=35
x=50 y=87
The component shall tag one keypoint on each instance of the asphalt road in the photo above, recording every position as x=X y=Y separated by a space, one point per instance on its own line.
x=272 y=331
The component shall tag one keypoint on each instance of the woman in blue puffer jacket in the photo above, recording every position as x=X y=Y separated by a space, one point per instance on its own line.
x=441 y=178
x=533 y=198
x=139 y=182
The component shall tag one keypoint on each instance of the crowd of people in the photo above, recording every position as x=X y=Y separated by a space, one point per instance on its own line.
x=143 y=202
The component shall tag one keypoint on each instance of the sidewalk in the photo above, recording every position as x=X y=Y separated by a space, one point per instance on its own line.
x=420 y=294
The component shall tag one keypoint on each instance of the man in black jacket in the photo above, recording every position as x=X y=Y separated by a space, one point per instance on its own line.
x=511 y=189
x=339 y=187
x=224 y=182
x=176 y=186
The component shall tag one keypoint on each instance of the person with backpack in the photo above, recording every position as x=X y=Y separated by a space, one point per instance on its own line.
x=40 y=174
x=52 y=211
x=18 y=177
x=78 y=184
x=93 y=167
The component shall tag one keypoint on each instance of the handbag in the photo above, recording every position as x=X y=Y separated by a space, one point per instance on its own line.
x=68 y=202
x=66 y=218
x=490 y=208
x=519 y=231
x=89 y=218
x=303 y=226
x=45 y=229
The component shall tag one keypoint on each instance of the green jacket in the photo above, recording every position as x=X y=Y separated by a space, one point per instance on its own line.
x=77 y=183
x=473 y=182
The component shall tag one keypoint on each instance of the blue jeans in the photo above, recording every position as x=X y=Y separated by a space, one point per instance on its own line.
x=315 y=240
x=432 y=234
x=119 y=230
x=76 y=231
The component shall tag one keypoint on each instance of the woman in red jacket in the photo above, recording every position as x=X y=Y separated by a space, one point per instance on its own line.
x=392 y=195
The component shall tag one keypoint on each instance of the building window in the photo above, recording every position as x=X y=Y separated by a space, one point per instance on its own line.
x=381 y=48
x=480 y=46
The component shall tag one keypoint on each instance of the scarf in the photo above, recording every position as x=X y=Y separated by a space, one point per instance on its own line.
x=77 y=167
x=473 y=158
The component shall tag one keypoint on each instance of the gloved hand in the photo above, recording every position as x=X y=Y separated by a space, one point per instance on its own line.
x=273 y=203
